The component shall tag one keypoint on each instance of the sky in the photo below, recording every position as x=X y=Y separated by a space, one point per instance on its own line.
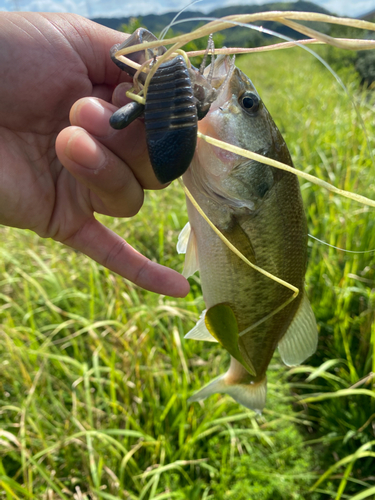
x=125 y=8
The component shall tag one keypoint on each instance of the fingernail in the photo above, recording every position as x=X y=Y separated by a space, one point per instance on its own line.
x=82 y=149
x=94 y=117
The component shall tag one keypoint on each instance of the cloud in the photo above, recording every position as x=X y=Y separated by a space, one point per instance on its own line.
x=351 y=8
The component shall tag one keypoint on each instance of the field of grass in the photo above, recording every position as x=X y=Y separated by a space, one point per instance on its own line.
x=95 y=373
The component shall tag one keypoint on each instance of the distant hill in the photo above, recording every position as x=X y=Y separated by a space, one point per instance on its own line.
x=234 y=36
x=370 y=16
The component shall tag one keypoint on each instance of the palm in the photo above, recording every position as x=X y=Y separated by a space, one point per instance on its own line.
x=54 y=77
x=50 y=62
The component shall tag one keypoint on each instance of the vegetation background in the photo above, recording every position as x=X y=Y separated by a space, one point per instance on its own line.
x=95 y=373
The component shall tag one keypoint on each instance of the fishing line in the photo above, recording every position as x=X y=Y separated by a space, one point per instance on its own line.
x=252 y=50
x=219 y=25
x=216 y=24
x=338 y=248
x=282 y=166
x=173 y=22
x=267 y=31
x=304 y=30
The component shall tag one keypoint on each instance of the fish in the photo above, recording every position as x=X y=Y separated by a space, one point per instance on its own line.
x=259 y=209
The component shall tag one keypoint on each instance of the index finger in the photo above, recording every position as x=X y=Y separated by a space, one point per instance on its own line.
x=113 y=252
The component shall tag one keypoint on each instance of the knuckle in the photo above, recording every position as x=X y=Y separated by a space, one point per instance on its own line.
x=114 y=253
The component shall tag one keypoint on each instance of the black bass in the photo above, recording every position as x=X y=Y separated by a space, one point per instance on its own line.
x=259 y=209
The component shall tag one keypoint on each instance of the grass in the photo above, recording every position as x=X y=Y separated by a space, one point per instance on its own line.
x=95 y=373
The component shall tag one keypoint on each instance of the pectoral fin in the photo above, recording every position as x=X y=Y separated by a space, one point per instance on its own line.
x=221 y=322
x=183 y=238
x=200 y=332
x=187 y=244
x=301 y=338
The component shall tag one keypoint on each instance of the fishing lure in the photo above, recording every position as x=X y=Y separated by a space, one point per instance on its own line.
x=177 y=97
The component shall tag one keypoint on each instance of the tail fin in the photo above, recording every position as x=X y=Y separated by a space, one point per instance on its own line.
x=238 y=384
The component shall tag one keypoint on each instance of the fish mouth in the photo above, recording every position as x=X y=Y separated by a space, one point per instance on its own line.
x=223 y=64
x=223 y=71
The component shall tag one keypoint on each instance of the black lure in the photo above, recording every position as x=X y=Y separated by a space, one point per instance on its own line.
x=174 y=104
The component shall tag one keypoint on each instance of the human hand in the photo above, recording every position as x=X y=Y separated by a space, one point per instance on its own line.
x=49 y=62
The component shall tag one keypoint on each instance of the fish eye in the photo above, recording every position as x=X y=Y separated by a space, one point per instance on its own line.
x=249 y=102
